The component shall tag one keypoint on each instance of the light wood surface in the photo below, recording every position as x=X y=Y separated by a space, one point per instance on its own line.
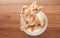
x=10 y=18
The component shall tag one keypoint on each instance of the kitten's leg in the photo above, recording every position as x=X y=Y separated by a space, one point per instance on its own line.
x=33 y=28
x=22 y=28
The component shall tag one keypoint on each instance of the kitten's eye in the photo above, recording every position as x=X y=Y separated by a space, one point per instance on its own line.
x=33 y=6
x=34 y=9
x=38 y=24
x=31 y=15
x=26 y=22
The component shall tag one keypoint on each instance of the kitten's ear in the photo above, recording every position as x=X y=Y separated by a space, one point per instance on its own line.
x=40 y=8
x=34 y=4
x=24 y=7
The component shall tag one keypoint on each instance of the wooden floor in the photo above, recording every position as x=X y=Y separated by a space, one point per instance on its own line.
x=51 y=32
x=10 y=18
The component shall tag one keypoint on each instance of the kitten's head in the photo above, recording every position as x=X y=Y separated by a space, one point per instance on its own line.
x=34 y=8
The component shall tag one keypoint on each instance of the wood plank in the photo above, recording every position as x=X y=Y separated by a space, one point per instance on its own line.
x=22 y=2
x=10 y=14
x=10 y=18
x=51 y=32
x=53 y=15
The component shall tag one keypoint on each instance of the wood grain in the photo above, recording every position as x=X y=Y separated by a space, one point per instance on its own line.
x=10 y=18
x=16 y=33
x=11 y=15
x=24 y=2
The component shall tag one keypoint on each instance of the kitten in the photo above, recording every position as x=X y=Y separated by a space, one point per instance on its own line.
x=29 y=15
